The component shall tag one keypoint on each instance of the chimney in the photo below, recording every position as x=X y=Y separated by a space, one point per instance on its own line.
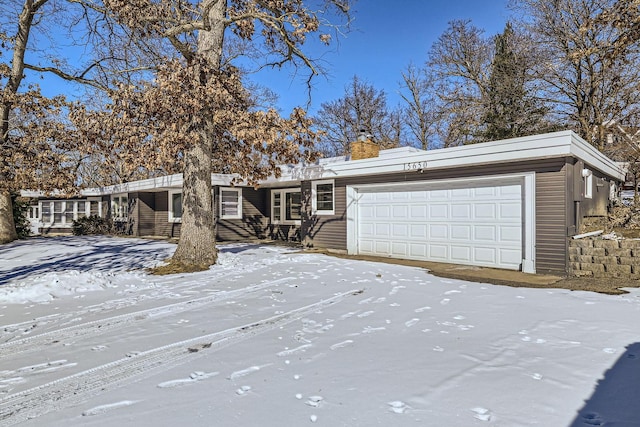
x=364 y=147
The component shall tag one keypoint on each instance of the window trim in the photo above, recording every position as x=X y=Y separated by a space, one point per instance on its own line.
x=238 y=191
x=172 y=217
x=283 y=206
x=588 y=183
x=314 y=197
x=67 y=207
x=119 y=197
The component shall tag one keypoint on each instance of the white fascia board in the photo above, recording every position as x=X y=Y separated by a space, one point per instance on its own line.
x=552 y=145
x=517 y=149
x=594 y=158
x=161 y=182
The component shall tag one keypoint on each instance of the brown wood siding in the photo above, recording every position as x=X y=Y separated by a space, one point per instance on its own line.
x=146 y=214
x=551 y=211
x=162 y=225
x=552 y=219
x=325 y=231
x=253 y=224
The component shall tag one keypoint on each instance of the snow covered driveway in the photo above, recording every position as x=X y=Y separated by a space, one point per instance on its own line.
x=274 y=337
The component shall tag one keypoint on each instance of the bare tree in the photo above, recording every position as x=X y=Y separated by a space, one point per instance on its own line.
x=363 y=107
x=34 y=142
x=589 y=82
x=418 y=111
x=460 y=63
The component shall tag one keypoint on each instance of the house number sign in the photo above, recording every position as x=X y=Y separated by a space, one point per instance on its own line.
x=413 y=166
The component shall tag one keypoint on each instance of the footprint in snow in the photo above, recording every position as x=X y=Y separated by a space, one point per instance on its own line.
x=398 y=406
x=341 y=344
x=243 y=390
x=193 y=377
x=395 y=289
x=244 y=372
x=411 y=322
x=314 y=401
x=97 y=410
x=481 y=414
x=365 y=314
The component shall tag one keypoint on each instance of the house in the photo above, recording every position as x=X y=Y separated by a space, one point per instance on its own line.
x=508 y=204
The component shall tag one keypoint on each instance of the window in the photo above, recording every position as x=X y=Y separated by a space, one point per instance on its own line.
x=231 y=203
x=120 y=207
x=175 y=206
x=46 y=213
x=292 y=206
x=286 y=206
x=276 y=204
x=81 y=209
x=322 y=198
x=61 y=213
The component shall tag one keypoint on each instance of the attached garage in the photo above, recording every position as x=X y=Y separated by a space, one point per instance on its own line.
x=482 y=222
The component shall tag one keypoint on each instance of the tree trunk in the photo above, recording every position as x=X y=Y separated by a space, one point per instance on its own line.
x=197 y=244
x=7 y=226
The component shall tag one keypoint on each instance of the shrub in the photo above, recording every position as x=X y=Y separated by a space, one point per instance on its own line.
x=20 y=209
x=92 y=225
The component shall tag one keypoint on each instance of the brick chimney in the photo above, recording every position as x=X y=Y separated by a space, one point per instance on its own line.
x=364 y=147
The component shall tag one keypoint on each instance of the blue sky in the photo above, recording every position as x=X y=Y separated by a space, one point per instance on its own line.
x=386 y=36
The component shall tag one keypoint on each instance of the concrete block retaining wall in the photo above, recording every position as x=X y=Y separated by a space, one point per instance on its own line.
x=605 y=258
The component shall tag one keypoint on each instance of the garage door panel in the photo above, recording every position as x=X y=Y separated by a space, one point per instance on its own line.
x=418 y=250
x=509 y=256
x=463 y=193
x=510 y=234
x=511 y=211
x=418 y=231
x=461 y=254
x=475 y=225
x=486 y=233
x=400 y=211
x=438 y=211
x=484 y=211
x=484 y=255
x=438 y=252
x=382 y=247
x=461 y=211
x=400 y=230
x=460 y=232
x=438 y=231
x=383 y=230
x=400 y=248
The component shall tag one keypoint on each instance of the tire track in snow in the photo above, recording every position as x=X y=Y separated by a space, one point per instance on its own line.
x=76 y=388
x=97 y=327
x=116 y=304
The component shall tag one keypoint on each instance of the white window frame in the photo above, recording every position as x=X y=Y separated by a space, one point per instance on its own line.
x=283 y=206
x=172 y=216
x=314 y=198
x=117 y=213
x=67 y=207
x=588 y=183
x=238 y=191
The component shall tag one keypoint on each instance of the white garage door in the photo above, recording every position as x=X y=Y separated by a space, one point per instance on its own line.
x=474 y=224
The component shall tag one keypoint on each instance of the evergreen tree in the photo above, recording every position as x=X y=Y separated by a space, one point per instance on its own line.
x=512 y=109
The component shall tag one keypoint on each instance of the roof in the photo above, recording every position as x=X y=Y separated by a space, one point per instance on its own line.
x=544 y=146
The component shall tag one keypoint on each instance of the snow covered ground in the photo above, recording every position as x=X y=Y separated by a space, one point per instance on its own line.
x=274 y=337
